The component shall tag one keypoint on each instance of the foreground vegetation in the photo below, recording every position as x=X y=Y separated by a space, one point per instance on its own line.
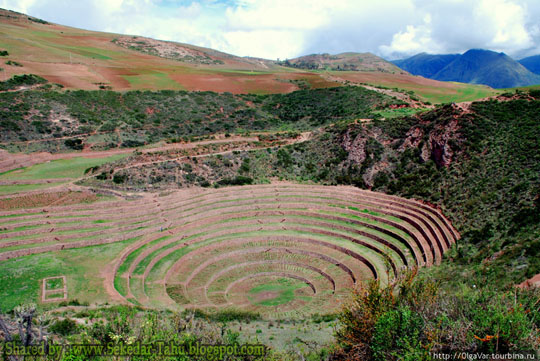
x=414 y=319
x=121 y=326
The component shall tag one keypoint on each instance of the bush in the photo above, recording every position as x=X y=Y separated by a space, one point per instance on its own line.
x=237 y=181
x=75 y=144
x=413 y=318
x=397 y=335
x=21 y=80
x=64 y=327
x=119 y=178
x=130 y=143
x=317 y=318
x=13 y=63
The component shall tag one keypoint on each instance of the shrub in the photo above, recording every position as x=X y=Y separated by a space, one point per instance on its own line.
x=397 y=335
x=75 y=144
x=119 y=178
x=13 y=63
x=413 y=317
x=284 y=158
x=64 y=327
x=20 y=80
x=130 y=143
x=237 y=181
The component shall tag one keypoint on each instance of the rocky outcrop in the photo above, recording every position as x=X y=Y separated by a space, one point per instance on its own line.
x=436 y=144
x=439 y=148
x=355 y=146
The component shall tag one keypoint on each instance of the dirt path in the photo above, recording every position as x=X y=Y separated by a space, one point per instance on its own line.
x=465 y=107
x=531 y=282
x=9 y=161
x=399 y=95
x=302 y=138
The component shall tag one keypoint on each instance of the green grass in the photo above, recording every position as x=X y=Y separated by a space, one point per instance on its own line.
x=139 y=269
x=20 y=278
x=64 y=232
x=43 y=34
x=283 y=288
x=16 y=188
x=158 y=80
x=54 y=283
x=51 y=296
x=401 y=112
x=22 y=228
x=19 y=215
x=120 y=284
x=163 y=264
x=57 y=169
x=462 y=93
x=90 y=52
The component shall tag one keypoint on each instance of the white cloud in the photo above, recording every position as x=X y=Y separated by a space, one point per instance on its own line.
x=275 y=44
x=507 y=24
x=21 y=6
x=457 y=26
x=278 y=15
x=413 y=40
x=285 y=28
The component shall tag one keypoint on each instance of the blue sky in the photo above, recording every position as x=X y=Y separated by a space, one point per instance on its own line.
x=289 y=28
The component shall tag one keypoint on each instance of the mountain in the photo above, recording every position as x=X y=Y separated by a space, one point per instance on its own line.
x=532 y=63
x=91 y=60
x=426 y=65
x=497 y=70
x=343 y=61
x=476 y=66
x=82 y=59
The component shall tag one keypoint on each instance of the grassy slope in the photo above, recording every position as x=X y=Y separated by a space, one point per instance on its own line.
x=84 y=59
x=21 y=279
x=429 y=90
x=81 y=59
x=62 y=168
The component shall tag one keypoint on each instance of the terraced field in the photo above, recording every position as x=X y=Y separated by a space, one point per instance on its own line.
x=281 y=249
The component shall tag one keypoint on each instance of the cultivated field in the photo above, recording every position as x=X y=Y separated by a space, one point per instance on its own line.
x=427 y=89
x=81 y=59
x=282 y=249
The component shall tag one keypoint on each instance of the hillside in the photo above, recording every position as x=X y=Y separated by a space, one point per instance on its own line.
x=497 y=70
x=532 y=63
x=160 y=200
x=475 y=66
x=426 y=65
x=343 y=62
x=81 y=59
x=98 y=120
x=177 y=221
x=434 y=156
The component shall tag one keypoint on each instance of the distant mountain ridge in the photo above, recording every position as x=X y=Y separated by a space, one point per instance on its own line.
x=343 y=61
x=532 y=63
x=476 y=66
x=426 y=65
